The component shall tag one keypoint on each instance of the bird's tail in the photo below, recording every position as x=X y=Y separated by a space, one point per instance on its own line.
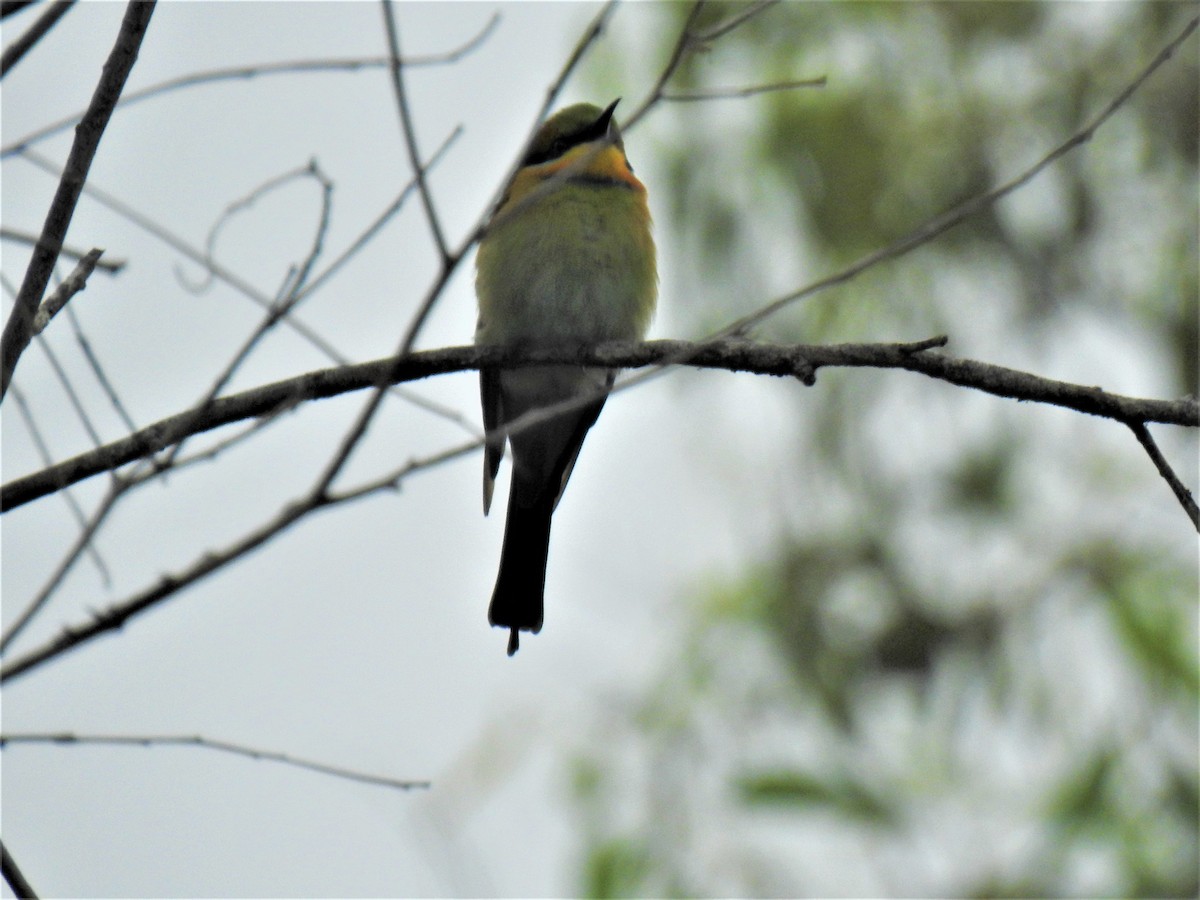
x=517 y=599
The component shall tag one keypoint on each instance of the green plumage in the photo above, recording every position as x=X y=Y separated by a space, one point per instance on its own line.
x=567 y=260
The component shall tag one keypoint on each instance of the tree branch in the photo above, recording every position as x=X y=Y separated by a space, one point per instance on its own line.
x=13 y=875
x=18 y=330
x=72 y=285
x=1186 y=500
x=410 y=135
x=116 y=615
x=12 y=7
x=169 y=740
x=245 y=73
x=943 y=222
x=109 y=265
x=799 y=361
x=242 y=286
x=742 y=92
x=38 y=30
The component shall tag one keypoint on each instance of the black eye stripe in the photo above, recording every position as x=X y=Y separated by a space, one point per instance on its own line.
x=565 y=142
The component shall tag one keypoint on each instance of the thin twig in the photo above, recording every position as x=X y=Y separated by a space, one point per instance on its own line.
x=177 y=243
x=158 y=466
x=800 y=362
x=734 y=355
x=117 y=615
x=83 y=543
x=369 y=233
x=242 y=204
x=38 y=30
x=69 y=389
x=76 y=404
x=168 y=740
x=748 y=12
x=738 y=93
x=410 y=132
x=683 y=44
x=93 y=362
x=19 y=327
x=120 y=485
x=112 y=266
x=1182 y=494
x=244 y=73
x=14 y=876
x=61 y=295
x=590 y=35
x=278 y=309
x=44 y=452
x=942 y=223
x=11 y=7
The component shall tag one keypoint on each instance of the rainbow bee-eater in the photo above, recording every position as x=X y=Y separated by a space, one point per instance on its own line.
x=566 y=260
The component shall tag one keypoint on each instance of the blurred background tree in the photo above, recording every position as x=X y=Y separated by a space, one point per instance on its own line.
x=965 y=661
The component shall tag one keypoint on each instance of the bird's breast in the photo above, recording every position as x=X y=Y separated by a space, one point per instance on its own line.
x=577 y=264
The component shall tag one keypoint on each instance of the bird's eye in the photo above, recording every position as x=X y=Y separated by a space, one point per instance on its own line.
x=558 y=148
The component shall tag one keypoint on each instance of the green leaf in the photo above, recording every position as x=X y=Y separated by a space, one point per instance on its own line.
x=616 y=868
x=799 y=790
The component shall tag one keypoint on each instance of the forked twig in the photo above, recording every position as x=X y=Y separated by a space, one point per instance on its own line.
x=18 y=330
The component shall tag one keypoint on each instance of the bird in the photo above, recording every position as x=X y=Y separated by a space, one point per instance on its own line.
x=566 y=259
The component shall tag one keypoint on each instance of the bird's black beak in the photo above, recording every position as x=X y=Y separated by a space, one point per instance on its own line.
x=605 y=124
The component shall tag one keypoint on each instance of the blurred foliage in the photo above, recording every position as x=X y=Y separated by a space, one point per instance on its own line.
x=967 y=663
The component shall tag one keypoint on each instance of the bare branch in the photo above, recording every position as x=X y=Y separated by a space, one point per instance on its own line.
x=286 y=302
x=800 y=361
x=248 y=290
x=120 y=485
x=182 y=247
x=744 y=15
x=243 y=73
x=85 y=420
x=19 y=327
x=72 y=285
x=69 y=389
x=112 y=266
x=44 y=452
x=738 y=93
x=382 y=219
x=115 y=617
x=590 y=35
x=947 y=220
x=11 y=7
x=98 y=371
x=1182 y=494
x=410 y=133
x=83 y=543
x=13 y=875
x=241 y=204
x=683 y=44
x=38 y=30
x=296 y=278
x=169 y=740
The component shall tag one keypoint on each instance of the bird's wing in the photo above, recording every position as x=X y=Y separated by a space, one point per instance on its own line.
x=493 y=420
